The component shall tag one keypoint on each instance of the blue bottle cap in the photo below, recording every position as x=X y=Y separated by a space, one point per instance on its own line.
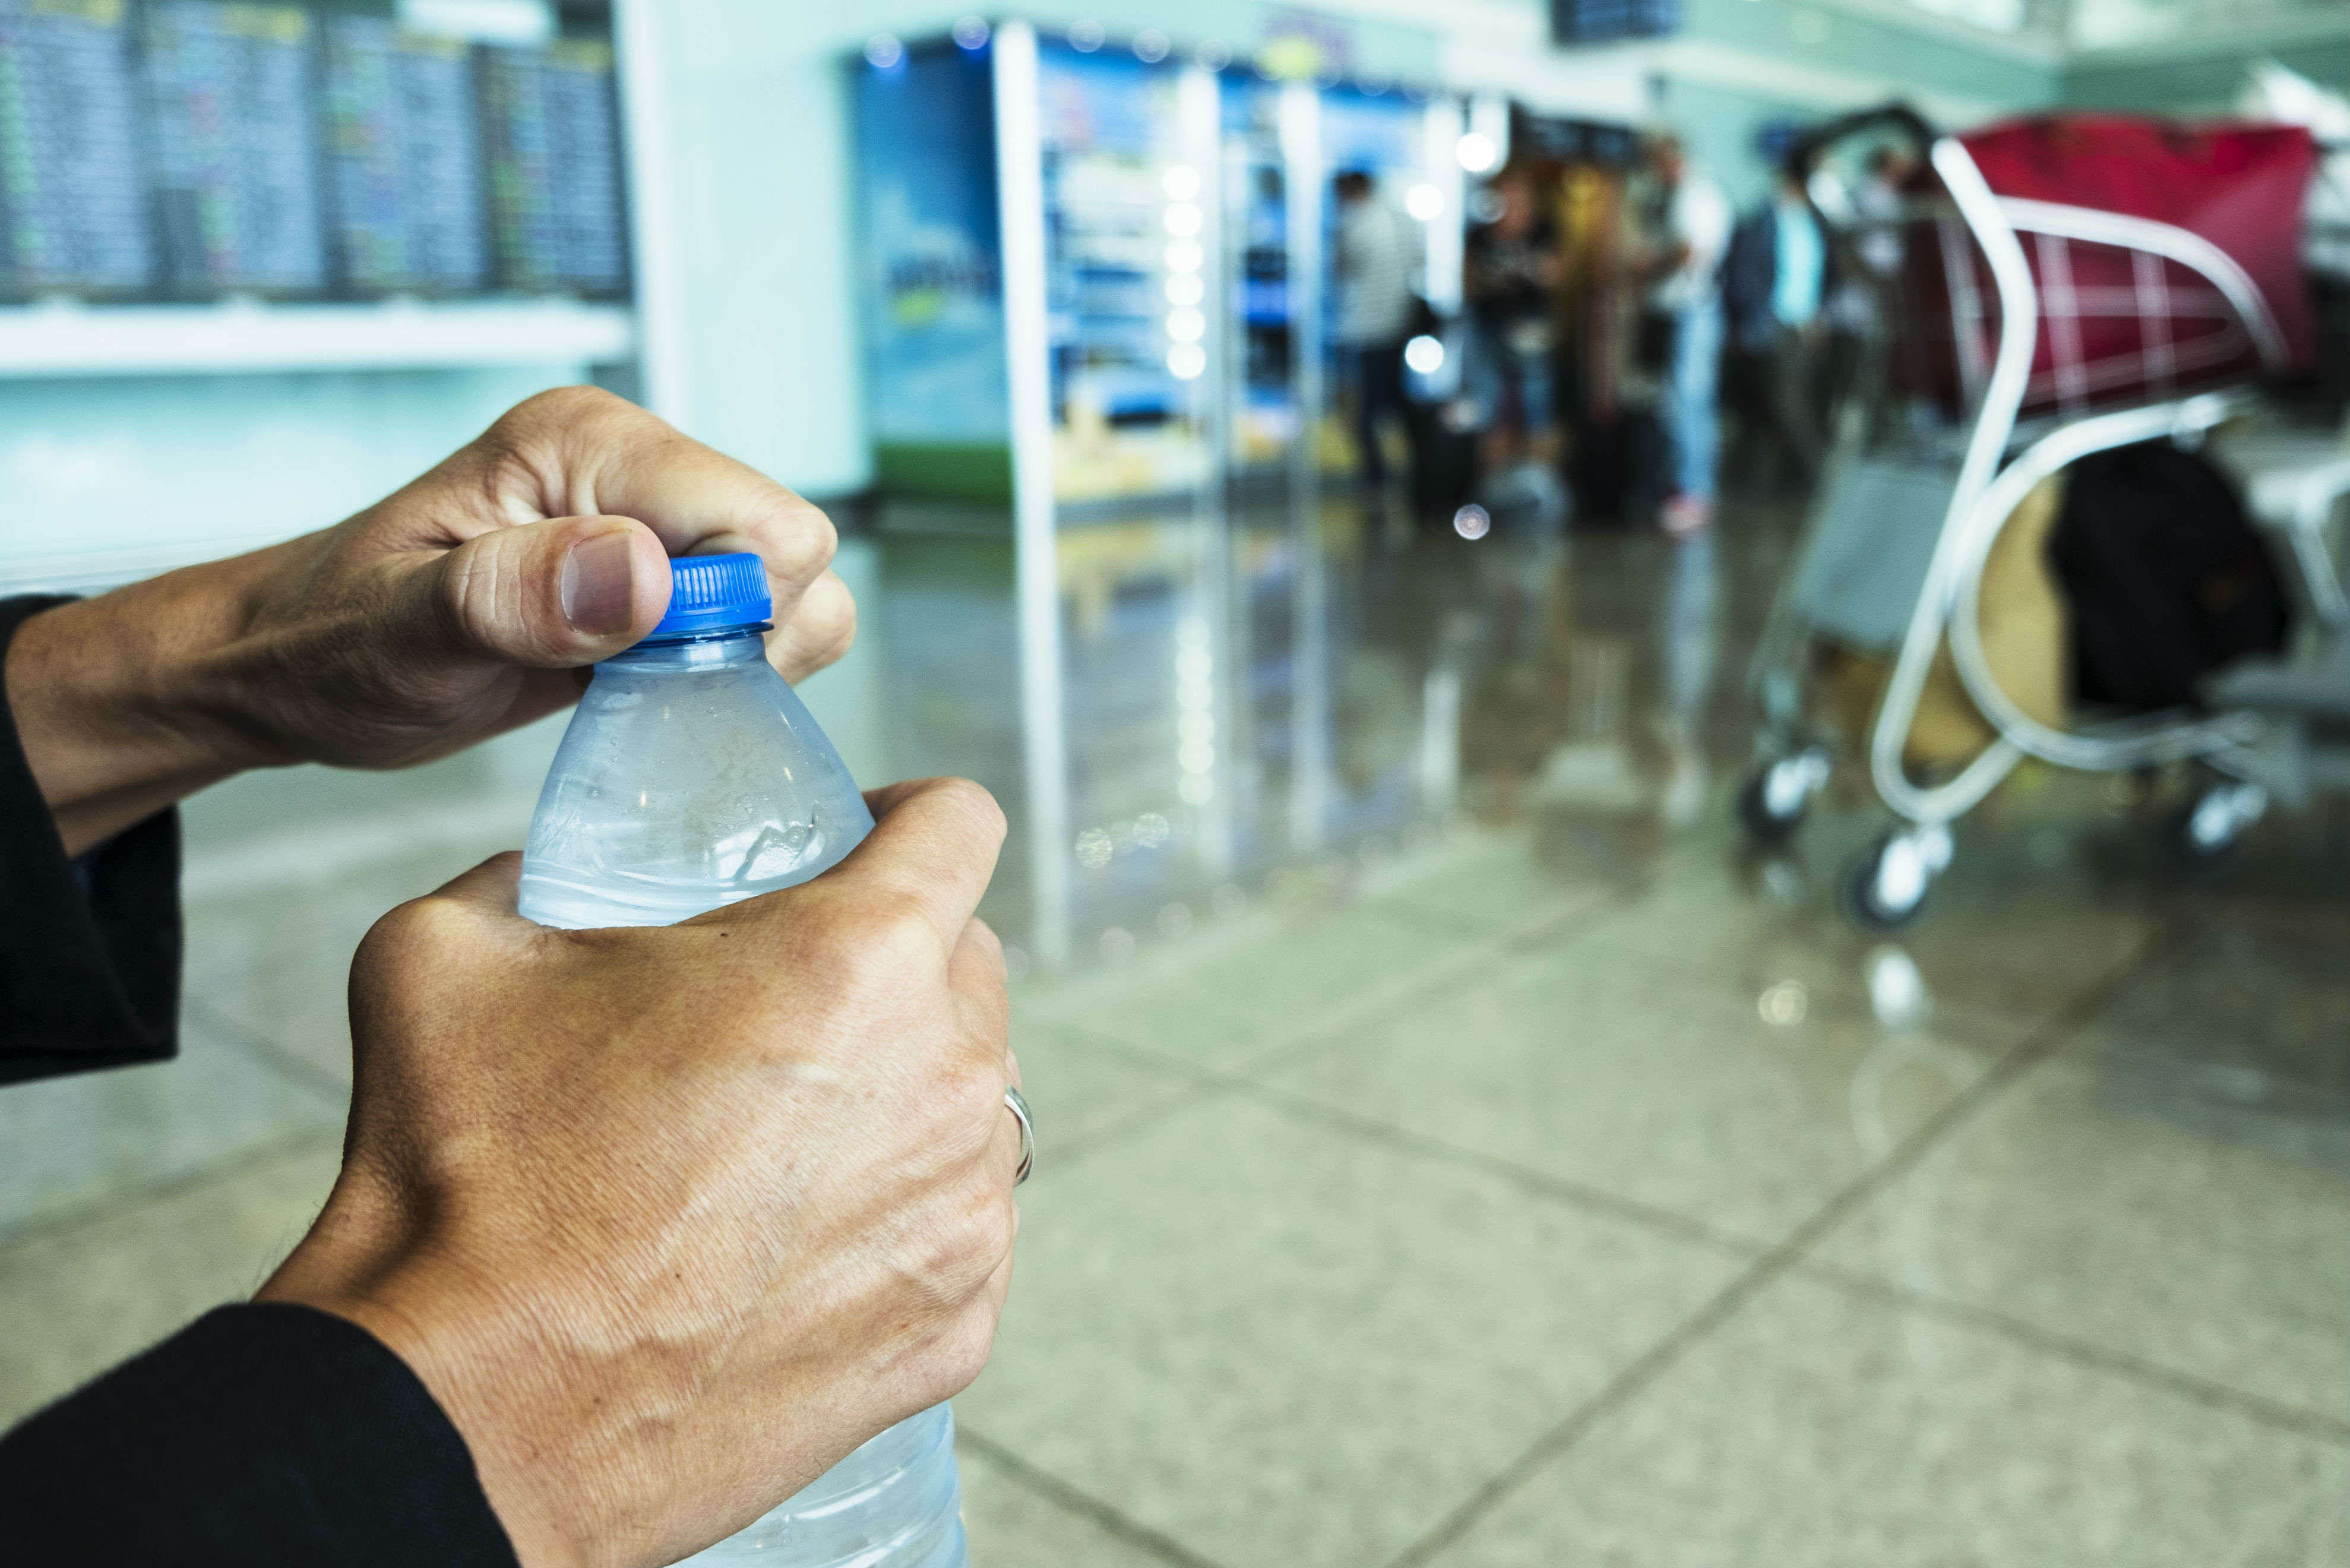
x=714 y=593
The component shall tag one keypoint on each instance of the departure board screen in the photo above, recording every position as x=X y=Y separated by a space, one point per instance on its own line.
x=73 y=204
x=1567 y=140
x=552 y=125
x=233 y=147
x=1597 y=21
x=192 y=150
x=402 y=151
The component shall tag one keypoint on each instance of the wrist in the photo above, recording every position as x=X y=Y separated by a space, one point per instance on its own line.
x=481 y=1379
x=116 y=701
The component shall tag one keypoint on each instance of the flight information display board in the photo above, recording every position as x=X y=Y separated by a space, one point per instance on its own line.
x=1564 y=140
x=73 y=203
x=233 y=147
x=1598 y=21
x=403 y=160
x=551 y=123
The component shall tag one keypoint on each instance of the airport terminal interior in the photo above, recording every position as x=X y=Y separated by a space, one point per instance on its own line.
x=1584 y=1003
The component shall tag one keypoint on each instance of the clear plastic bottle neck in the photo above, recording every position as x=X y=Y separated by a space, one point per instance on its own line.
x=716 y=648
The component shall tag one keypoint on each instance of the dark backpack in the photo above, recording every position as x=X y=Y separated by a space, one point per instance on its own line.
x=2165 y=576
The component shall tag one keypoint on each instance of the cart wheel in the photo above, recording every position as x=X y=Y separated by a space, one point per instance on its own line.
x=2204 y=836
x=1887 y=887
x=1775 y=797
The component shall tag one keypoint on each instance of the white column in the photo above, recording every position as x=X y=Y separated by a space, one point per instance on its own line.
x=1020 y=190
x=1304 y=179
x=652 y=217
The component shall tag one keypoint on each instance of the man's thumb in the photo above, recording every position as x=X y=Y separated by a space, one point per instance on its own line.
x=564 y=592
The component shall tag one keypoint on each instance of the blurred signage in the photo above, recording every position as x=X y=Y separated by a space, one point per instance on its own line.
x=234 y=143
x=73 y=193
x=1555 y=138
x=403 y=156
x=1605 y=21
x=1304 y=45
x=550 y=121
x=931 y=288
x=191 y=150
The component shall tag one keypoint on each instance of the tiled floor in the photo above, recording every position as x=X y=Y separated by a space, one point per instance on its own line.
x=1572 y=1191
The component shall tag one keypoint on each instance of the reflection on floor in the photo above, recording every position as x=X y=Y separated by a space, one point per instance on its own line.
x=1555 y=1184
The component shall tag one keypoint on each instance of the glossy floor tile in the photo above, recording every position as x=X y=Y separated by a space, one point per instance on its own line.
x=1283 y=1344
x=2252 y=997
x=1482 y=883
x=1266 y=981
x=1999 y=943
x=1557 y=1181
x=2094 y=1201
x=272 y=957
x=1010 y=1519
x=1635 y=1082
x=1820 y=1429
x=72 y=1145
x=77 y=1299
x=1082 y=1087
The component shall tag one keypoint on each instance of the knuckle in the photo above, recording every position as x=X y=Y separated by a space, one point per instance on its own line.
x=486 y=598
x=844 y=632
x=539 y=430
x=961 y=1352
x=468 y=587
x=818 y=632
x=975 y=803
x=407 y=934
x=994 y=1227
x=969 y=1090
x=799 y=539
x=872 y=943
x=983 y=937
x=569 y=406
x=814 y=531
x=896 y=931
x=972 y=1239
x=839 y=638
x=830 y=606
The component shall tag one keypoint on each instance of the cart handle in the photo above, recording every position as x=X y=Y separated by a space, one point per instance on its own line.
x=1897 y=115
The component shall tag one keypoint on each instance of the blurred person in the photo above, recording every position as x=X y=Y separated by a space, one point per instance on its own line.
x=1855 y=310
x=1685 y=222
x=1379 y=248
x=1511 y=275
x=1877 y=203
x=1775 y=279
x=637 y=1232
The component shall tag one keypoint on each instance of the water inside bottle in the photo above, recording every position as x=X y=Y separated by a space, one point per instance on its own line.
x=690 y=778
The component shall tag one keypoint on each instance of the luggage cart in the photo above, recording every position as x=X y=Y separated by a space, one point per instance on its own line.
x=2065 y=286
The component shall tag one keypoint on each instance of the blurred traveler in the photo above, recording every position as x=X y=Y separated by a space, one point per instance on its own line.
x=1775 y=279
x=1685 y=224
x=1855 y=311
x=1512 y=273
x=1877 y=204
x=637 y=1232
x=1380 y=249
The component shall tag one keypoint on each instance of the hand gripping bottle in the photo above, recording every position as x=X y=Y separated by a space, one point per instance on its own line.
x=692 y=776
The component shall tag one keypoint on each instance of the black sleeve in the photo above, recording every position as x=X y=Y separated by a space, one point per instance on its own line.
x=89 y=948
x=258 y=1436
x=262 y=1436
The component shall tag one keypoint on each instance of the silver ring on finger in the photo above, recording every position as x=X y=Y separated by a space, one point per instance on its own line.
x=1017 y=1104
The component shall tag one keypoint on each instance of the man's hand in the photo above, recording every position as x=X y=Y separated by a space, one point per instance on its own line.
x=668 y=1220
x=458 y=608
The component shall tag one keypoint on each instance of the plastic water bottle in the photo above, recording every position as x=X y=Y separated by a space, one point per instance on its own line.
x=692 y=776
